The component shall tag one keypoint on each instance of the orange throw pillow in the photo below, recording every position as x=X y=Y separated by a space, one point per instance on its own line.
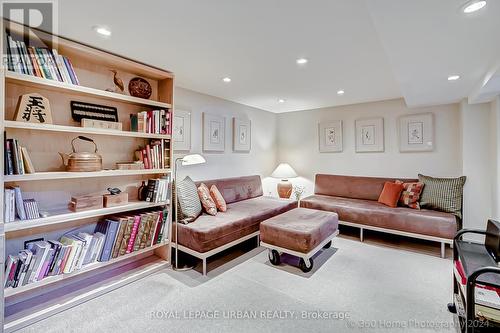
x=390 y=194
x=218 y=198
x=206 y=199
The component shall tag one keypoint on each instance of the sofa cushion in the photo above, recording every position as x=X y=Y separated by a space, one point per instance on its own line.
x=240 y=219
x=299 y=229
x=444 y=194
x=218 y=198
x=390 y=194
x=206 y=200
x=410 y=196
x=189 y=202
x=368 y=188
x=237 y=189
x=373 y=213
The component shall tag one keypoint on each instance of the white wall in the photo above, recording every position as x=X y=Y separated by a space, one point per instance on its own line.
x=262 y=158
x=298 y=143
x=476 y=164
x=495 y=153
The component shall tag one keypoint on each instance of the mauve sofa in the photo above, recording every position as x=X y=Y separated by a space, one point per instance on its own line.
x=354 y=199
x=246 y=208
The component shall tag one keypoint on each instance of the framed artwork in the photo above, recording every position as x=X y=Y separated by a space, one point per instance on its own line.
x=214 y=128
x=330 y=137
x=182 y=130
x=370 y=135
x=242 y=135
x=416 y=132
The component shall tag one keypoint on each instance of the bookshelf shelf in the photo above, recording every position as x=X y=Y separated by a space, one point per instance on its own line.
x=37 y=82
x=74 y=216
x=9 y=292
x=77 y=175
x=81 y=130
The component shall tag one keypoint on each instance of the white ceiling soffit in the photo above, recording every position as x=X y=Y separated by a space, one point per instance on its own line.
x=371 y=49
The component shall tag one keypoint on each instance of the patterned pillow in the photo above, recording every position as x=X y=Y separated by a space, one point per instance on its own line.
x=411 y=194
x=218 y=198
x=444 y=194
x=206 y=200
x=189 y=202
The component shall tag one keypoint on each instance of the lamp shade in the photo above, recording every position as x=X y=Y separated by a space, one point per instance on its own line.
x=284 y=171
x=193 y=159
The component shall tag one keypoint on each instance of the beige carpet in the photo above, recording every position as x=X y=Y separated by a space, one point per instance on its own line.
x=353 y=287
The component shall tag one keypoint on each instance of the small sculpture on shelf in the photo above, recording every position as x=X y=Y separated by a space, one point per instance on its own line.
x=34 y=108
x=119 y=86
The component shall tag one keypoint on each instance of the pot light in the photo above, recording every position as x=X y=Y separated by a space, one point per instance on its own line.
x=281 y=100
x=340 y=92
x=226 y=79
x=102 y=31
x=453 y=77
x=473 y=6
x=302 y=61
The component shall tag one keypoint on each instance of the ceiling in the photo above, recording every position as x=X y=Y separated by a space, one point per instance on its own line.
x=372 y=49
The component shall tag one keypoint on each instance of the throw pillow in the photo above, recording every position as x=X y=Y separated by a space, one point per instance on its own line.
x=189 y=202
x=206 y=200
x=390 y=194
x=218 y=198
x=411 y=194
x=443 y=194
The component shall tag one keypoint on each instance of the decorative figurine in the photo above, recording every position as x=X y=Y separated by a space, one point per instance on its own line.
x=138 y=87
x=119 y=86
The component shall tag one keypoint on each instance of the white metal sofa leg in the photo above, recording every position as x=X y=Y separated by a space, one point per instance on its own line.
x=443 y=247
x=361 y=236
x=205 y=266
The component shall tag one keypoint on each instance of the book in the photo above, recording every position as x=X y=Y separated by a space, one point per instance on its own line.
x=9 y=166
x=111 y=228
x=133 y=235
x=126 y=235
x=27 y=163
x=121 y=231
x=21 y=212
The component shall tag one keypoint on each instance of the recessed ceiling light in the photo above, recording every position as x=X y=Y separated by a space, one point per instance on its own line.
x=302 y=61
x=226 y=79
x=102 y=31
x=473 y=6
x=453 y=77
x=281 y=100
x=340 y=92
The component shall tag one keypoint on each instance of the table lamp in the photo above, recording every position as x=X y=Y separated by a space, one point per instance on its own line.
x=187 y=160
x=284 y=171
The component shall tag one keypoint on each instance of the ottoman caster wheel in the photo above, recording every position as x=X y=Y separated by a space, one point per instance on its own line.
x=274 y=257
x=304 y=267
x=327 y=245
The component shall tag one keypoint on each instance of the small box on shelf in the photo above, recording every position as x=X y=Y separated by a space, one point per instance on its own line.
x=86 y=202
x=112 y=200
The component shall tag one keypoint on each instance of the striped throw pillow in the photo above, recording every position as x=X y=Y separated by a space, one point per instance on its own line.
x=188 y=200
x=443 y=194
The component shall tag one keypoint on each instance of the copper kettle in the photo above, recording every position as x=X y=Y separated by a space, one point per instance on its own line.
x=82 y=161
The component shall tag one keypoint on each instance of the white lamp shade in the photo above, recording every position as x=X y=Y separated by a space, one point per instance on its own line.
x=193 y=159
x=284 y=171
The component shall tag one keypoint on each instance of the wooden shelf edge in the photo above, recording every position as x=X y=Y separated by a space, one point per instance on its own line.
x=10 y=292
x=84 y=130
x=74 y=216
x=52 y=84
x=75 y=175
x=16 y=323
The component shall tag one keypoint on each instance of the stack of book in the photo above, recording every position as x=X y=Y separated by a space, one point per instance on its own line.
x=17 y=160
x=156 y=122
x=39 y=61
x=158 y=190
x=16 y=206
x=152 y=155
x=112 y=238
x=487 y=298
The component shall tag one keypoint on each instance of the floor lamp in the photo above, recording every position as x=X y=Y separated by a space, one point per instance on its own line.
x=191 y=159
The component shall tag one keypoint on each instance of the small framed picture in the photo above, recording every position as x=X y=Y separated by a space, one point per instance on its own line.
x=182 y=130
x=242 y=135
x=369 y=135
x=330 y=137
x=214 y=128
x=416 y=132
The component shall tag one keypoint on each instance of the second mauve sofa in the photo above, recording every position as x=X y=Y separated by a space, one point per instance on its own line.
x=355 y=200
x=246 y=208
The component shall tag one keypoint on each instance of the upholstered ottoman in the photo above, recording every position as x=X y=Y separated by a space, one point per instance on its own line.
x=300 y=232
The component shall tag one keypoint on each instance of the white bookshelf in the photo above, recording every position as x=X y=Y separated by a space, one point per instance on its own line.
x=27 y=304
x=81 y=130
x=76 y=175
